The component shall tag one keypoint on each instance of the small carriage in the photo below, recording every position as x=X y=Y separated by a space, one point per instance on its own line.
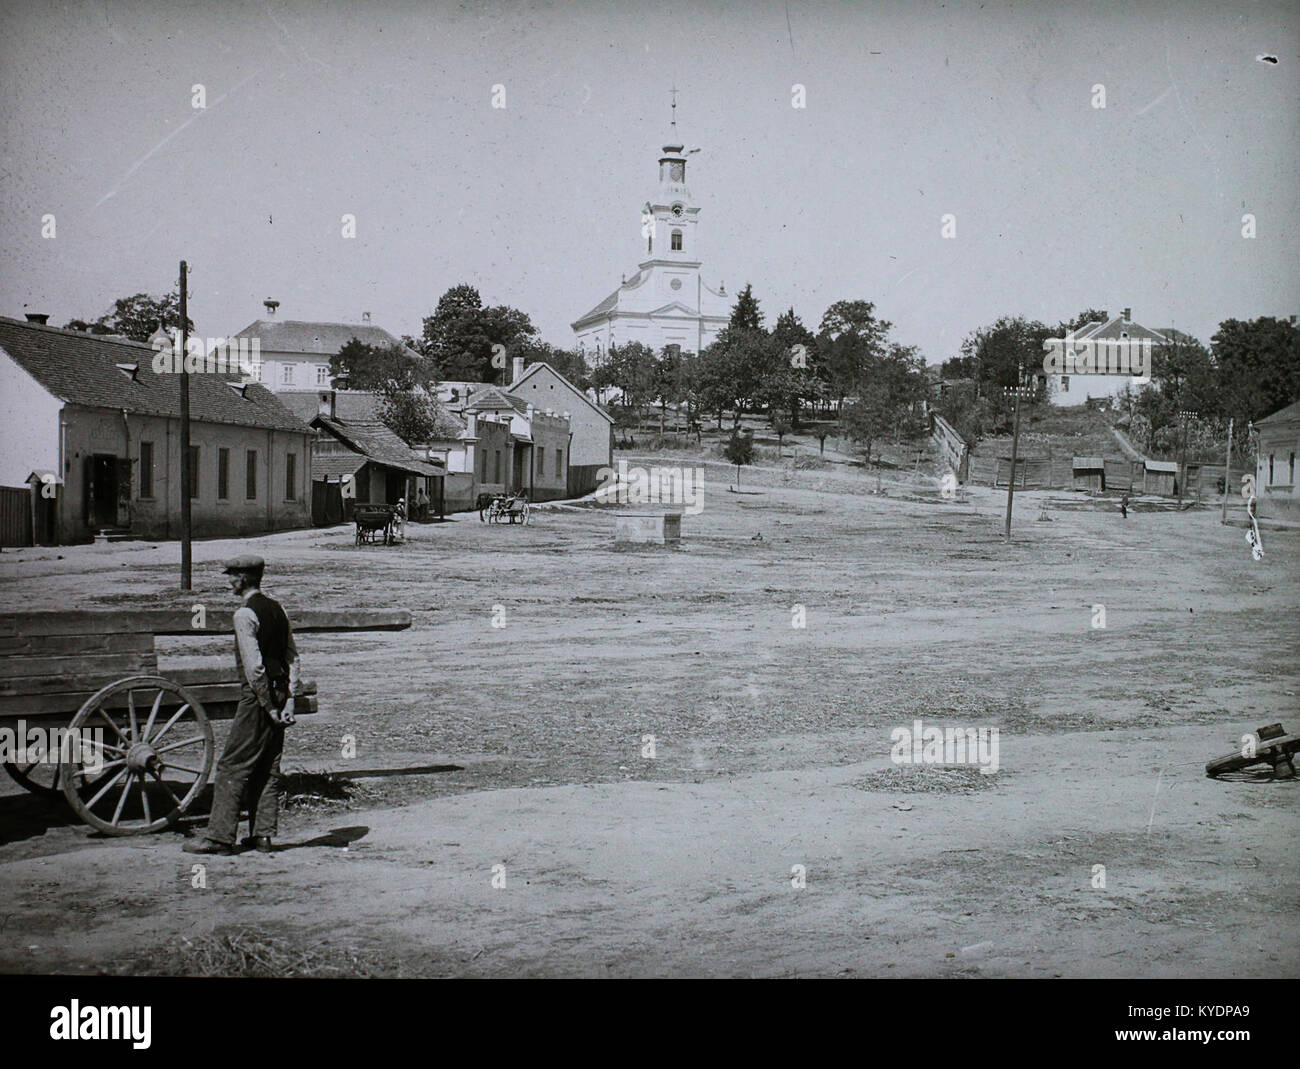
x=375 y=524
x=507 y=508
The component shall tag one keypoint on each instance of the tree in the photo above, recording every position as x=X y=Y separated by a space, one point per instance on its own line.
x=893 y=386
x=1258 y=364
x=997 y=351
x=850 y=339
x=628 y=368
x=136 y=317
x=740 y=450
x=462 y=334
x=746 y=314
x=799 y=349
x=741 y=370
x=780 y=427
x=403 y=383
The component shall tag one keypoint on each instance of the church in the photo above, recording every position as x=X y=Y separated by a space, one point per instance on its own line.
x=667 y=301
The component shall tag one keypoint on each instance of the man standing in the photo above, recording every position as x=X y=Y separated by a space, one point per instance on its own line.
x=250 y=765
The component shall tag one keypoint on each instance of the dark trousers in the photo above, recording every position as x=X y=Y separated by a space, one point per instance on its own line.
x=249 y=770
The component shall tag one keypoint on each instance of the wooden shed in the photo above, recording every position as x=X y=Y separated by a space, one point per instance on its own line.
x=1161 y=477
x=1088 y=473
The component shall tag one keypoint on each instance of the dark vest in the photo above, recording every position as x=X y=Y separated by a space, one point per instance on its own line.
x=272 y=638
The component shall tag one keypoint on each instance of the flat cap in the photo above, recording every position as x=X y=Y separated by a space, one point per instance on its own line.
x=245 y=563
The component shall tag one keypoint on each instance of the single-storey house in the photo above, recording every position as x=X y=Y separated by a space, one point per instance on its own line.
x=1275 y=483
x=90 y=411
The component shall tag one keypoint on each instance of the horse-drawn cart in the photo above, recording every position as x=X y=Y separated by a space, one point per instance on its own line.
x=506 y=508
x=129 y=747
x=374 y=523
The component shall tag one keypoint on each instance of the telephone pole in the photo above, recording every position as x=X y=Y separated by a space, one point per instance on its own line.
x=1182 y=473
x=1227 y=477
x=1018 y=390
x=187 y=571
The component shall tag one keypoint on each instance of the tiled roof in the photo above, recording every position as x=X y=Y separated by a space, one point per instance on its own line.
x=82 y=369
x=1282 y=415
x=302 y=336
x=493 y=399
x=348 y=404
x=1112 y=328
x=607 y=305
x=336 y=465
x=377 y=442
x=1087 y=462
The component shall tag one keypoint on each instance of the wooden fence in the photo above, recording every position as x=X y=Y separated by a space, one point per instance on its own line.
x=952 y=447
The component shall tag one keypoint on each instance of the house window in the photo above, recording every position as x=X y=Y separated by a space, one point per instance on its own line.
x=541 y=461
x=1065 y=384
x=223 y=474
x=146 y=469
x=322 y=374
x=290 y=466
x=194 y=471
x=559 y=462
x=677 y=241
x=1270 y=469
x=1292 y=479
x=286 y=374
x=250 y=475
x=255 y=371
x=496 y=467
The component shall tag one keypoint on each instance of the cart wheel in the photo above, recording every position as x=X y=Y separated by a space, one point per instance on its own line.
x=155 y=757
x=36 y=776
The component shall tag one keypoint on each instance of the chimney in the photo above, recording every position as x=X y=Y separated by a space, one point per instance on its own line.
x=1128 y=315
x=328 y=406
x=471 y=424
x=519 y=369
x=42 y=318
x=270 y=306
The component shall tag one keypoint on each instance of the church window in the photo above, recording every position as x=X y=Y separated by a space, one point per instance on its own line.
x=650 y=243
x=677 y=241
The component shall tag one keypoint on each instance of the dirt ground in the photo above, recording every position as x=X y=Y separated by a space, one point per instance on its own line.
x=522 y=746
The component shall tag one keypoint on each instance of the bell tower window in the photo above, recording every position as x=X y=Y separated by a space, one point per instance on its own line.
x=650 y=243
x=677 y=240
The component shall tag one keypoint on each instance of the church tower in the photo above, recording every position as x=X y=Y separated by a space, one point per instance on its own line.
x=667 y=301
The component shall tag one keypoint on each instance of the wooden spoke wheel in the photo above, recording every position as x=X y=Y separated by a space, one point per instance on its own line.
x=156 y=755
x=36 y=776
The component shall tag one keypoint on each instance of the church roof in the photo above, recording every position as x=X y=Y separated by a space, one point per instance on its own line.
x=607 y=305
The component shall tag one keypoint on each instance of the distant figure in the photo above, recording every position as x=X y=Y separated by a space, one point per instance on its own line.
x=421 y=505
x=1123 y=506
x=399 y=519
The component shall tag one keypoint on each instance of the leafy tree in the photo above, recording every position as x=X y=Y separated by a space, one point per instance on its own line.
x=740 y=450
x=780 y=427
x=629 y=369
x=136 y=317
x=461 y=334
x=1259 y=366
x=741 y=370
x=894 y=385
x=403 y=383
x=997 y=350
x=850 y=339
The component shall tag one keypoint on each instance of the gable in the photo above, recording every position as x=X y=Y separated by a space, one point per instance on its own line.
x=543 y=369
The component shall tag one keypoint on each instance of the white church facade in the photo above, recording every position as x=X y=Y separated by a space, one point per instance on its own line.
x=666 y=302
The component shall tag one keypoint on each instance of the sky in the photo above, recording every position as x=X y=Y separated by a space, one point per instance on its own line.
x=382 y=109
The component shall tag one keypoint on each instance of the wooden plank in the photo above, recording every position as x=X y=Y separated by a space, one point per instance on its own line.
x=117 y=665
x=219 y=620
x=66 y=703
x=51 y=645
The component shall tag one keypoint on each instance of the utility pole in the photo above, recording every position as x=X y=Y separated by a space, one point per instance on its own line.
x=187 y=571
x=1015 y=444
x=1227 y=477
x=1182 y=473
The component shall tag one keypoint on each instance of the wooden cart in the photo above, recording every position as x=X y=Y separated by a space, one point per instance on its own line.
x=374 y=523
x=1272 y=746
x=89 y=672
